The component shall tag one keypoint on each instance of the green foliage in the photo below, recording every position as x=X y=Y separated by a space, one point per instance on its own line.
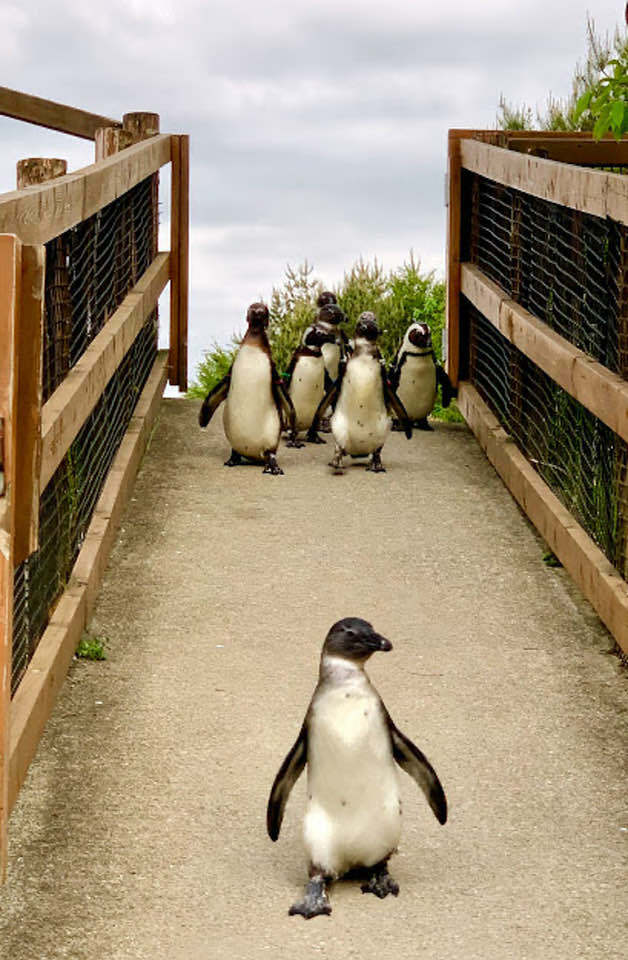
x=550 y=559
x=599 y=89
x=397 y=298
x=91 y=648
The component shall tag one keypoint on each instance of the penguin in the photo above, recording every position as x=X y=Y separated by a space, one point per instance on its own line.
x=330 y=316
x=415 y=376
x=325 y=297
x=256 y=405
x=350 y=745
x=360 y=422
x=308 y=381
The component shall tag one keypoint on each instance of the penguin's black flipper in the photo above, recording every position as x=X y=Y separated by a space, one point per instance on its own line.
x=394 y=374
x=284 y=404
x=416 y=765
x=289 y=772
x=213 y=400
x=392 y=400
x=448 y=391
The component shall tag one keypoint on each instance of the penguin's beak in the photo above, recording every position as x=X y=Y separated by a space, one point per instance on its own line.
x=381 y=643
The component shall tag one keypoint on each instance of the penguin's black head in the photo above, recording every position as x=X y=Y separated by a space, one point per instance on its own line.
x=366 y=327
x=354 y=639
x=420 y=336
x=331 y=313
x=316 y=336
x=326 y=297
x=257 y=316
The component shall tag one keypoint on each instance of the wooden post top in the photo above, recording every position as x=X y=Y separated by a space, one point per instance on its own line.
x=34 y=170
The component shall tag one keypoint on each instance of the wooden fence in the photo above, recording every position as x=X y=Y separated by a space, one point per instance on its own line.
x=504 y=355
x=39 y=433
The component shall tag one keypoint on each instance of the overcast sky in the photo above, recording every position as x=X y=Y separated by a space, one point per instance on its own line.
x=318 y=130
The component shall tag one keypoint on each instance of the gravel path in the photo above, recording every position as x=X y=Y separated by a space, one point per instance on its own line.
x=140 y=832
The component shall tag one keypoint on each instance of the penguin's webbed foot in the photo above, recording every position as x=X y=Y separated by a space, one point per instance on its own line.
x=272 y=466
x=423 y=424
x=235 y=460
x=315 y=902
x=314 y=437
x=376 y=465
x=325 y=426
x=336 y=462
x=381 y=883
x=295 y=442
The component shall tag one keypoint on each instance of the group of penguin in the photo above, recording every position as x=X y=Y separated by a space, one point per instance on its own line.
x=328 y=374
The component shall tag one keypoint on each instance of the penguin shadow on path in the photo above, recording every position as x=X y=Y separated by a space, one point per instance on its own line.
x=351 y=746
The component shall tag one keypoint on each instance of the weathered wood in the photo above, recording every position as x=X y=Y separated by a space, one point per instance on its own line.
x=29 y=401
x=591 y=191
x=34 y=170
x=10 y=295
x=39 y=688
x=602 y=392
x=72 y=402
x=47 y=113
x=41 y=213
x=454 y=204
x=184 y=267
x=175 y=265
x=577 y=150
x=110 y=140
x=141 y=125
x=584 y=561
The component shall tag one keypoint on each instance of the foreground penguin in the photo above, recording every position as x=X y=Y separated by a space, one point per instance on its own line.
x=415 y=376
x=308 y=381
x=360 y=422
x=351 y=745
x=256 y=404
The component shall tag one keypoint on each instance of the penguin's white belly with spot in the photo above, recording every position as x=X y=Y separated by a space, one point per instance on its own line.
x=353 y=814
x=417 y=386
x=360 y=423
x=307 y=387
x=250 y=418
x=331 y=358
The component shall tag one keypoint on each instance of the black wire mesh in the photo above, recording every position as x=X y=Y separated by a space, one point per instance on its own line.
x=565 y=267
x=581 y=459
x=89 y=271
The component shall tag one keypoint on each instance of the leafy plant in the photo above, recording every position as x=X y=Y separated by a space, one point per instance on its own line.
x=91 y=648
x=213 y=367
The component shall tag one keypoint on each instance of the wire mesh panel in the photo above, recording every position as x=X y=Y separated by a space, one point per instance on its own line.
x=564 y=266
x=89 y=271
x=581 y=459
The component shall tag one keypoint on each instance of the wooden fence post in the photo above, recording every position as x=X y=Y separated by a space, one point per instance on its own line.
x=454 y=202
x=179 y=245
x=10 y=288
x=39 y=169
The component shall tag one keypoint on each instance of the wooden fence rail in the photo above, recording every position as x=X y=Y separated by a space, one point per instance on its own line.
x=522 y=163
x=35 y=436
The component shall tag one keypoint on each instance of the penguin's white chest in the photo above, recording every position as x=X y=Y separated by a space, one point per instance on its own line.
x=331 y=358
x=250 y=418
x=360 y=423
x=307 y=387
x=417 y=386
x=353 y=814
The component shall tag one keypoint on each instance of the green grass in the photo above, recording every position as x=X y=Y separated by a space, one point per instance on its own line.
x=91 y=648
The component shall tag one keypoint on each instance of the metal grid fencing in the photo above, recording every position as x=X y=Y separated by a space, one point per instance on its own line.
x=565 y=267
x=581 y=459
x=89 y=271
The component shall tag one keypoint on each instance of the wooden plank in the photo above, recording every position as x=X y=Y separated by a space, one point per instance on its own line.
x=584 y=561
x=561 y=183
x=602 y=392
x=184 y=265
x=578 y=150
x=10 y=294
x=37 y=214
x=175 y=263
x=54 y=116
x=454 y=203
x=29 y=402
x=72 y=402
x=37 y=693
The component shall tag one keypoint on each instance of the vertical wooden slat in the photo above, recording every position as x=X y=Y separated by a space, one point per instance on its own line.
x=184 y=268
x=29 y=402
x=454 y=201
x=10 y=284
x=175 y=203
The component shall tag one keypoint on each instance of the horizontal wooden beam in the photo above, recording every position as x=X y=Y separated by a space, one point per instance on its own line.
x=599 y=581
x=72 y=402
x=602 y=392
x=37 y=693
x=603 y=153
x=55 y=116
x=37 y=214
x=590 y=191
